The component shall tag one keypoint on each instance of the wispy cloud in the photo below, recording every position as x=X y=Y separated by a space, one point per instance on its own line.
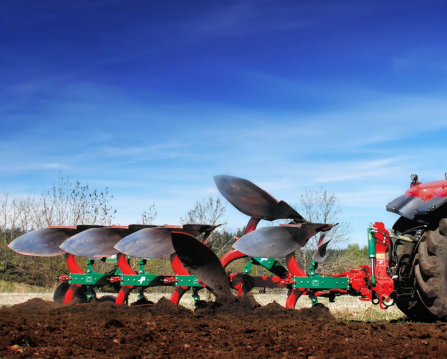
x=370 y=197
x=53 y=165
x=259 y=17
x=244 y=19
x=426 y=58
x=122 y=151
x=359 y=170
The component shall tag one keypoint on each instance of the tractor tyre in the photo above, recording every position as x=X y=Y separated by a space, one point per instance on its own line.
x=431 y=272
x=414 y=309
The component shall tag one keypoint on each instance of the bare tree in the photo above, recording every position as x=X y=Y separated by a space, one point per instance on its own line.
x=343 y=260
x=207 y=211
x=9 y=214
x=68 y=203
x=318 y=205
x=149 y=215
x=65 y=203
x=210 y=211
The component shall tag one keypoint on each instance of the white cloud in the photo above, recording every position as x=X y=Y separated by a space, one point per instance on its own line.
x=370 y=197
x=52 y=165
x=359 y=170
x=431 y=58
x=122 y=151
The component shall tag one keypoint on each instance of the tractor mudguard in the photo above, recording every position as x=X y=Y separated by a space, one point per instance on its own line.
x=430 y=206
x=420 y=200
x=405 y=206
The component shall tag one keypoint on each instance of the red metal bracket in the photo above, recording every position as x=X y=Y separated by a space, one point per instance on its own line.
x=177 y=265
x=72 y=265
x=125 y=268
x=384 y=284
x=293 y=266
x=286 y=281
x=124 y=265
x=252 y=224
x=231 y=256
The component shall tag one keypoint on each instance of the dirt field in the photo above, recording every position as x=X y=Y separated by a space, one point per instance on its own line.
x=344 y=308
x=239 y=327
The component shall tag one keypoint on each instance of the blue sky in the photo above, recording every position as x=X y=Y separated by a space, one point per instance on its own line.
x=154 y=98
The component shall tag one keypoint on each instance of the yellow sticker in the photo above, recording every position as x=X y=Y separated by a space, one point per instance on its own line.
x=380 y=256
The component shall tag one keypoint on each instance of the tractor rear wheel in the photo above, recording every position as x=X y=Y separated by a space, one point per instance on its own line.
x=414 y=309
x=431 y=272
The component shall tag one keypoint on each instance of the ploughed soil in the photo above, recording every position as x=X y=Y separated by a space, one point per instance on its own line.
x=238 y=327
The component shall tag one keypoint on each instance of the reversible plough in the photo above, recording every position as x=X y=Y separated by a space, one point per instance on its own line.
x=406 y=262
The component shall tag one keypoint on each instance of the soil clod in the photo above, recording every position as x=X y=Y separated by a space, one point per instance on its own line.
x=228 y=327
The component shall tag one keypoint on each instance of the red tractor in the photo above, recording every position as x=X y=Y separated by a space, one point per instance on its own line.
x=419 y=265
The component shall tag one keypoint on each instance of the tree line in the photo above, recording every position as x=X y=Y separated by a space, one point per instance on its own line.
x=73 y=203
